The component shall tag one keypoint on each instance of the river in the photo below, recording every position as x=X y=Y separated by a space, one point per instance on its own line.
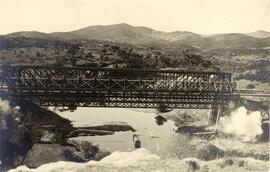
x=158 y=139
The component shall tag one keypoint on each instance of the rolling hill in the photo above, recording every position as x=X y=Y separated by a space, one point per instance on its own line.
x=29 y=34
x=143 y=35
x=259 y=34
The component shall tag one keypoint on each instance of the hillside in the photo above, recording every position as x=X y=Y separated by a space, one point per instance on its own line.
x=118 y=32
x=259 y=34
x=237 y=40
x=29 y=34
x=143 y=35
x=99 y=53
x=123 y=45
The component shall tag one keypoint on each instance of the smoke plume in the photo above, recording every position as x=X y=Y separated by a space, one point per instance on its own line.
x=4 y=106
x=243 y=124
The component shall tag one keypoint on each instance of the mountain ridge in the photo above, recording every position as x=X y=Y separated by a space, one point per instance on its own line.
x=144 y=35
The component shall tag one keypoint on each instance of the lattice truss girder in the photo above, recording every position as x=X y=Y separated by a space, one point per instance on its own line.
x=122 y=101
x=117 y=87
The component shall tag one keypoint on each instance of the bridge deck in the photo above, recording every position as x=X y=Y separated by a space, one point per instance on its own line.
x=106 y=87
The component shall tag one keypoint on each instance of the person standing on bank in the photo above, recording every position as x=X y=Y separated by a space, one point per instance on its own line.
x=136 y=141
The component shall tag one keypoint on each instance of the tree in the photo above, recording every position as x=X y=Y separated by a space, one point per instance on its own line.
x=73 y=50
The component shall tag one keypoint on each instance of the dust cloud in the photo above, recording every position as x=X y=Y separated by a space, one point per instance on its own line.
x=242 y=124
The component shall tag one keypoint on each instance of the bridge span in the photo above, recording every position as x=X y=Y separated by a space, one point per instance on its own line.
x=106 y=87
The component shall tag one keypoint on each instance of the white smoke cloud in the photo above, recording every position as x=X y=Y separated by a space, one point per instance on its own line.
x=243 y=124
x=4 y=106
x=6 y=110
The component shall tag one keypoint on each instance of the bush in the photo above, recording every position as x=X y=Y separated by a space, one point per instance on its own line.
x=228 y=162
x=211 y=152
x=241 y=163
x=59 y=137
x=88 y=150
x=193 y=165
x=250 y=86
x=71 y=157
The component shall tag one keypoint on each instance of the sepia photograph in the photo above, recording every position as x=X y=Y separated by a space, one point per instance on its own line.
x=134 y=85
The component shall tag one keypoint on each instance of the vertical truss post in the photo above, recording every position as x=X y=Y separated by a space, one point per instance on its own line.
x=217 y=119
x=209 y=117
x=213 y=116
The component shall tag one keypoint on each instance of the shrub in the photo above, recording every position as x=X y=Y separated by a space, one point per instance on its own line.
x=250 y=86
x=71 y=157
x=228 y=162
x=193 y=165
x=210 y=152
x=241 y=163
x=88 y=150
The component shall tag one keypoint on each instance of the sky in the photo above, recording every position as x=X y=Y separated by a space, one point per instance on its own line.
x=199 y=16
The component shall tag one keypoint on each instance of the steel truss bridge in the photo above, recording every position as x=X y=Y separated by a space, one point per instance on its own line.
x=105 y=87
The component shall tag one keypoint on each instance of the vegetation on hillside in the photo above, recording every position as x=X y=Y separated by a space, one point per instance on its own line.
x=245 y=62
x=99 y=54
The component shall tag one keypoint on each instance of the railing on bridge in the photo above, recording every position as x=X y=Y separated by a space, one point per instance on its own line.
x=106 y=87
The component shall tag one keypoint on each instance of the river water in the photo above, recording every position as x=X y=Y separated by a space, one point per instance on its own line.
x=158 y=139
x=163 y=149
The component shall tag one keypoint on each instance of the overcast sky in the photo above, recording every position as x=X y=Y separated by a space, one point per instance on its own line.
x=200 y=16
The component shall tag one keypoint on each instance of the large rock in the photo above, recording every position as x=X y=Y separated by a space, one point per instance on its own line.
x=41 y=116
x=47 y=153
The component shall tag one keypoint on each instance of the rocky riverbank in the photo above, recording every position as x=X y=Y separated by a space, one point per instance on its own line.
x=238 y=140
x=32 y=136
